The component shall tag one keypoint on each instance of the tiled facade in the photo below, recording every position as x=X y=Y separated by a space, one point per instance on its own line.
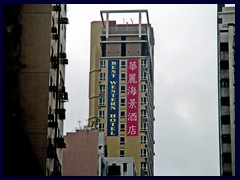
x=34 y=37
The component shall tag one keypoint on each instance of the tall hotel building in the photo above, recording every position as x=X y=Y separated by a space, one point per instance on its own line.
x=34 y=93
x=121 y=89
x=226 y=81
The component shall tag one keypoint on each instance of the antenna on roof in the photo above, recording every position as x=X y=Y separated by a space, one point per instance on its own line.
x=131 y=20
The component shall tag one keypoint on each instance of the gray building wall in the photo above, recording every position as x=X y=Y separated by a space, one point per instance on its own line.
x=226 y=77
x=120 y=162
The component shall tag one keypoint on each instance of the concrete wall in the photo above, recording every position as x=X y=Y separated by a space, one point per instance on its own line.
x=80 y=158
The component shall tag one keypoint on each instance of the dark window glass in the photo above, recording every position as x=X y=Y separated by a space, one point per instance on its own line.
x=223 y=46
x=226 y=138
x=225 y=101
x=225 y=119
x=124 y=166
x=227 y=157
x=224 y=64
x=123 y=49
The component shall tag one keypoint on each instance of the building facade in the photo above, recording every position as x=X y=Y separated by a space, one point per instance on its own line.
x=118 y=166
x=34 y=91
x=80 y=158
x=121 y=84
x=226 y=84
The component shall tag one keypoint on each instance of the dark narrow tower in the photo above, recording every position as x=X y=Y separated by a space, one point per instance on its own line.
x=226 y=84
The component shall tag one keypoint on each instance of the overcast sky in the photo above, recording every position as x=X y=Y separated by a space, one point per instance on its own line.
x=186 y=125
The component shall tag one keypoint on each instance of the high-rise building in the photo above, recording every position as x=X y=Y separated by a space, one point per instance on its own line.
x=226 y=90
x=34 y=91
x=121 y=85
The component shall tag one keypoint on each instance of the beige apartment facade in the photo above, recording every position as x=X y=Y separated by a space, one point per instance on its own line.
x=121 y=87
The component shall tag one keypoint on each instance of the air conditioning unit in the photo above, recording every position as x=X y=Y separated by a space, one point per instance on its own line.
x=54 y=65
x=56 y=8
x=52 y=124
x=63 y=89
x=54 y=30
x=65 y=96
x=64 y=20
x=62 y=116
x=50 y=117
x=55 y=37
x=56 y=173
x=53 y=88
x=51 y=153
x=54 y=59
x=61 y=113
x=60 y=142
x=63 y=55
x=65 y=61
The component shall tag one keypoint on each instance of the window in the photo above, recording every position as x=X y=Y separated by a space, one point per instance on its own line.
x=143 y=126
x=122 y=140
x=143 y=152
x=123 y=76
x=143 y=88
x=122 y=152
x=122 y=114
x=226 y=138
x=224 y=82
x=224 y=64
x=101 y=89
x=143 y=139
x=144 y=166
x=123 y=46
x=143 y=113
x=225 y=119
x=102 y=63
x=143 y=63
x=123 y=64
x=143 y=75
x=103 y=45
x=122 y=127
x=225 y=101
x=101 y=102
x=124 y=167
x=143 y=100
x=102 y=76
x=224 y=46
x=122 y=101
x=101 y=127
x=123 y=88
x=101 y=114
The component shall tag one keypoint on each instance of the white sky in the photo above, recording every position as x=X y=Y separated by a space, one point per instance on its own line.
x=186 y=125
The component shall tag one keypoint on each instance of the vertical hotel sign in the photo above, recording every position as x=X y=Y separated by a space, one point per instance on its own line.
x=113 y=88
x=132 y=97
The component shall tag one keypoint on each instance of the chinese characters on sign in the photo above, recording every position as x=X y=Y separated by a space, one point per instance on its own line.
x=132 y=97
x=113 y=88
